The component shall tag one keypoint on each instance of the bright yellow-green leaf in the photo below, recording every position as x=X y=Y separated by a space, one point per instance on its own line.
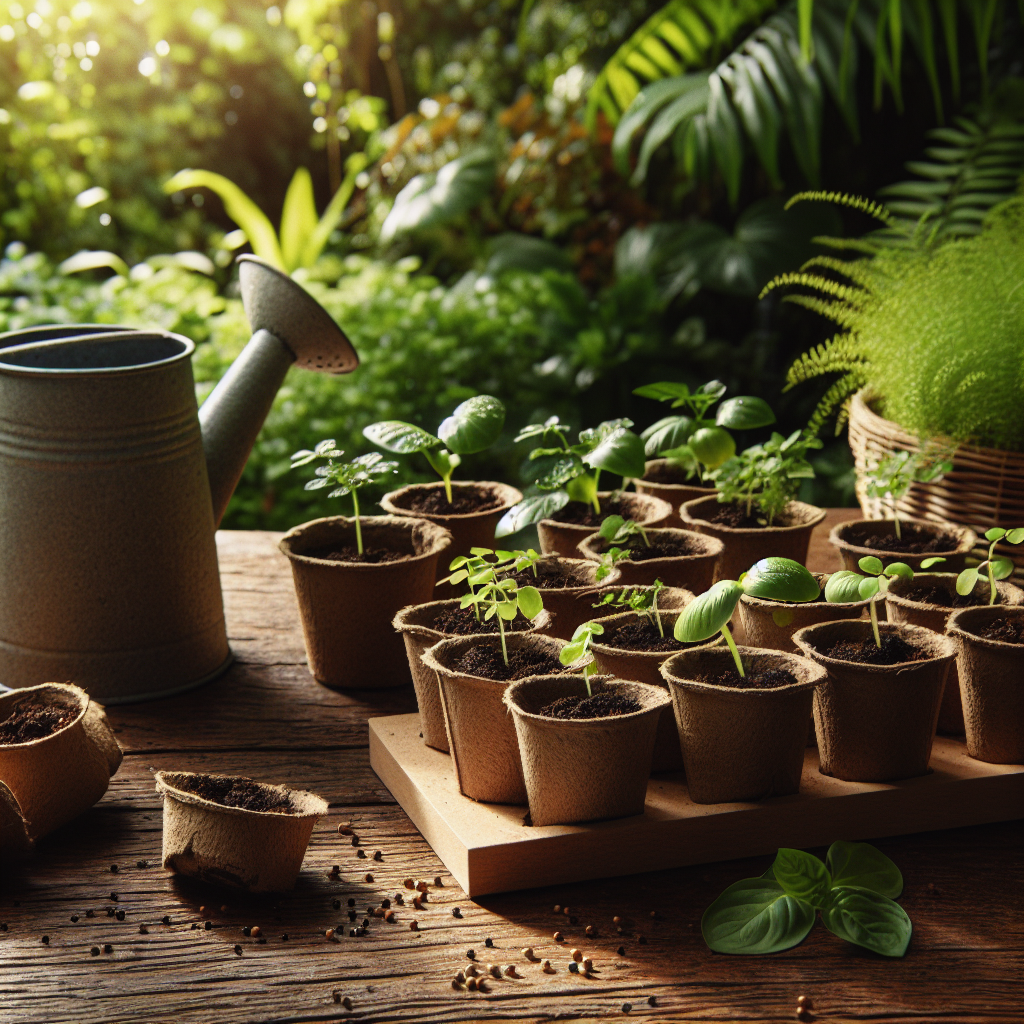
x=298 y=218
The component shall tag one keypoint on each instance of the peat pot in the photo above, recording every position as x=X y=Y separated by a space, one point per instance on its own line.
x=260 y=851
x=991 y=685
x=584 y=769
x=347 y=608
x=876 y=723
x=570 y=607
x=694 y=571
x=955 y=553
x=558 y=538
x=744 y=547
x=904 y=603
x=15 y=843
x=481 y=734
x=740 y=744
x=664 y=479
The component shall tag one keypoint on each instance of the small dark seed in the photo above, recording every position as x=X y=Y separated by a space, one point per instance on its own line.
x=344 y=830
x=113 y=896
x=377 y=855
x=143 y=930
x=88 y=913
x=95 y=951
x=261 y=942
x=574 y=968
x=351 y=915
x=165 y=919
x=456 y=912
x=621 y=951
x=108 y=948
x=113 y=869
x=142 y=863
x=471 y=953
x=437 y=881
x=46 y=940
x=360 y=853
x=194 y=926
x=336 y=904
x=626 y=1007
x=385 y=903
x=74 y=918
x=246 y=931
x=558 y=937
x=369 y=910
x=238 y=950
x=368 y=878
x=336 y=996
x=351 y=902
x=652 y=1000
x=120 y=915
x=209 y=926
x=355 y=840
x=366 y=922
x=591 y=931
x=347 y=1002
x=284 y=938
x=110 y=911
x=3 y=927
x=489 y=943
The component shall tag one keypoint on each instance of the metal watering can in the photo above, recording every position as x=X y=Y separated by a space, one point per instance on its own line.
x=112 y=484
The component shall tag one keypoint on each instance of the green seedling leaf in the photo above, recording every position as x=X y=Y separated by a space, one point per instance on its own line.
x=899 y=569
x=582 y=488
x=967 y=581
x=744 y=413
x=1000 y=568
x=872 y=565
x=780 y=579
x=401 y=438
x=621 y=452
x=870 y=586
x=531 y=510
x=705 y=616
x=712 y=446
x=611 y=526
x=474 y=425
x=803 y=876
x=996 y=533
x=666 y=391
x=443 y=462
x=754 y=916
x=1015 y=536
x=927 y=563
x=668 y=433
x=531 y=604
x=868 y=919
x=843 y=587
x=862 y=866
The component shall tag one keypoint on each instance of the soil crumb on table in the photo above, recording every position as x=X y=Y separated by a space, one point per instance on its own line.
x=237 y=791
x=599 y=705
x=32 y=720
x=894 y=651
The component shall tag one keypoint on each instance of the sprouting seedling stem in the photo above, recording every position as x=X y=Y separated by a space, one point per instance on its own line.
x=359 y=530
x=732 y=647
x=873 y=612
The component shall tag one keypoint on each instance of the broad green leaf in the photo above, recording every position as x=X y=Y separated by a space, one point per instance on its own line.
x=899 y=569
x=843 y=587
x=94 y=259
x=582 y=488
x=870 y=586
x=507 y=610
x=572 y=651
x=531 y=604
x=669 y=432
x=872 y=565
x=927 y=563
x=755 y=916
x=868 y=919
x=474 y=425
x=399 y=437
x=665 y=391
x=515 y=251
x=780 y=579
x=1000 y=568
x=621 y=452
x=320 y=234
x=745 y=412
x=1015 y=536
x=645 y=105
x=531 y=510
x=611 y=526
x=712 y=446
x=298 y=218
x=967 y=581
x=863 y=866
x=803 y=876
x=705 y=616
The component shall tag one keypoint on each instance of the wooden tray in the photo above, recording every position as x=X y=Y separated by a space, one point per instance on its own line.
x=489 y=849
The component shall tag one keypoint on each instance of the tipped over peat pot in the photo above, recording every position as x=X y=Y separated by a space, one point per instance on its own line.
x=347 y=606
x=584 y=769
x=558 y=537
x=669 y=481
x=740 y=743
x=255 y=850
x=929 y=599
x=57 y=753
x=876 y=723
x=480 y=730
x=861 y=537
x=693 y=568
x=991 y=683
x=746 y=545
x=418 y=627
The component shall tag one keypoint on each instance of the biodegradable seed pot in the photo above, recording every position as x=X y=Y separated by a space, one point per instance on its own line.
x=929 y=600
x=481 y=734
x=991 y=673
x=57 y=753
x=347 y=607
x=692 y=568
x=562 y=534
x=666 y=479
x=15 y=842
x=232 y=831
x=589 y=768
x=740 y=743
x=789 y=538
x=876 y=723
x=861 y=537
x=418 y=625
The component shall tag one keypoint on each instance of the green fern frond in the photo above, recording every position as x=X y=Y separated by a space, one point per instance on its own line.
x=840 y=354
x=868 y=206
x=837 y=395
x=814 y=281
x=861 y=245
x=840 y=313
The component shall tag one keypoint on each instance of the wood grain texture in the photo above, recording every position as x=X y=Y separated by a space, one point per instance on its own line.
x=268 y=719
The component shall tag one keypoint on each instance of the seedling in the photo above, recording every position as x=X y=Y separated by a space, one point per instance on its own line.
x=891 y=478
x=694 y=440
x=344 y=477
x=474 y=569
x=472 y=427
x=642 y=600
x=775 y=579
x=991 y=569
x=617 y=530
x=609 y=559
x=579 y=647
x=563 y=473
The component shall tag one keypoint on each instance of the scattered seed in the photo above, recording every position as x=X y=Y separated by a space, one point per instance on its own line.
x=621 y=951
x=528 y=953
x=389 y=916
x=456 y=984
x=45 y=940
x=652 y=1000
x=336 y=904
x=626 y=1007
x=565 y=911
x=409 y=884
x=574 y=968
x=802 y=1013
x=366 y=922
x=284 y=938
x=329 y=934
x=576 y=954
x=95 y=951
x=209 y=926
x=194 y=926
x=422 y=886
x=456 y=912
x=494 y=970
x=113 y=896
x=108 y=948
x=489 y=942
x=344 y=830
x=558 y=937
x=142 y=863
x=368 y=877
x=620 y=931
x=113 y=869
x=238 y=950
x=110 y=911
x=120 y=916
x=545 y=966
x=336 y=996
x=377 y=855
x=642 y=939
x=472 y=971
x=223 y=910
x=385 y=903
x=74 y=920
x=557 y=909
x=361 y=853
x=805 y=1001
x=437 y=881
x=203 y=912
x=616 y=920
x=587 y=964
x=379 y=912
x=471 y=984
x=355 y=840
x=460 y=977
x=143 y=930
x=481 y=985
x=88 y=913
x=471 y=954
x=165 y=919
x=3 y=925
x=347 y=1002
x=510 y=971
x=255 y=931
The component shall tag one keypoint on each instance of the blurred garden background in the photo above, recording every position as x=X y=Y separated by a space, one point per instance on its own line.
x=550 y=201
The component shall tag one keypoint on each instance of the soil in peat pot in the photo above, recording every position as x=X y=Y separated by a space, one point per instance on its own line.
x=600 y=705
x=350 y=553
x=945 y=599
x=736 y=518
x=766 y=679
x=238 y=791
x=463 y=622
x=641 y=635
x=578 y=513
x=32 y=721
x=522 y=662
x=913 y=541
x=669 y=474
x=658 y=548
x=894 y=651
x=546 y=578
x=463 y=503
x=1009 y=631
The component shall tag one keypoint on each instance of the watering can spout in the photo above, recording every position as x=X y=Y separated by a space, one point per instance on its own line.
x=289 y=326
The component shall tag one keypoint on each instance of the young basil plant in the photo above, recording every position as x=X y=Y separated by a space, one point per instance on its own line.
x=562 y=472
x=642 y=600
x=891 y=478
x=473 y=426
x=992 y=568
x=499 y=597
x=775 y=579
x=344 y=477
x=474 y=568
x=854 y=892
x=579 y=647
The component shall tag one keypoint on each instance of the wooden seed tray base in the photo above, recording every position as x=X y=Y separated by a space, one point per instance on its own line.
x=488 y=848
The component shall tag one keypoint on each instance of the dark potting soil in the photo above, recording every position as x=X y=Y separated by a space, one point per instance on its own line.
x=735 y=516
x=766 y=679
x=32 y=721
x=238 y=791
x=1010 y=631
x=894 y=651
x=669 y=474
x=658 y=548
x=946 y=599
x=641 y=635
x=522 y=662
x=578 y=513
x=547 y=578
x=914 y=541
x=463 y=503
x=350 y=553
x=599 y=705
x=463 y=622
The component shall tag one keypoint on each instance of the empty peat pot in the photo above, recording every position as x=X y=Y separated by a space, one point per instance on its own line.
x=561 y=538
x=693 y=570
x=418 y=626
x=667 y=480
x=347 y=607
x=584 y=769
x=876 y=723
x=928 y=600
x=849 y=539
x=570 y=606
x=480 y=730
x=64 y=771
x=256 y=850
x=744 y=546
x=991 y=684
x=740 y=744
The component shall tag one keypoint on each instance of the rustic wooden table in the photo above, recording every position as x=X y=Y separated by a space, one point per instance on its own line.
x=268 y=719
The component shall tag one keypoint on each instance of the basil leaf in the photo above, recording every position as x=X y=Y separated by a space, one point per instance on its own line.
x=531 y=510
x=803 y=876
x=755 y=916
x=862 y=866
x=473 y=426
x=705 y=616
x=780 y=579
x=670 y=432
x=744 y=413
x=621 y=452
x=399 y=437
x=663 y=392
x=868 y=919
x=843 y=587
